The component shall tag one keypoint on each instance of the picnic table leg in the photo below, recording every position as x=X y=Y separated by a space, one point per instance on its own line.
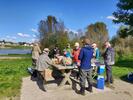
x=66 y=78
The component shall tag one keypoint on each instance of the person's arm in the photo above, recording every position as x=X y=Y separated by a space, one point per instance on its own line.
x=80 y=54
x=49 y=61
x=97 y=54
x=39 y=50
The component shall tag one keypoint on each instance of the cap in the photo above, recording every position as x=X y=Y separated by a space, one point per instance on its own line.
x=46 y=50
x=76 y=44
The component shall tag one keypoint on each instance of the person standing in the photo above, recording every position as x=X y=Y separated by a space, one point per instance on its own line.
x=35 y=53
x=75 y=54
x=96 y=53
x=109 y=61
x=85 y=57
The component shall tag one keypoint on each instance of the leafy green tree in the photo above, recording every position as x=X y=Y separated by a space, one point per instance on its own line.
x=97 y=33
x=52 y=32
x=124 y=14
x=122 y=31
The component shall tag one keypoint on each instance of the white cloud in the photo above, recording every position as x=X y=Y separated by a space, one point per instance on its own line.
x=23 y=35
x=34 y=30
x=111 y=17
x=11 y=37
x=34 y=35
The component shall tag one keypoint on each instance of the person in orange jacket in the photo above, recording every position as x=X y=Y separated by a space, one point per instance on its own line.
x=75 y=54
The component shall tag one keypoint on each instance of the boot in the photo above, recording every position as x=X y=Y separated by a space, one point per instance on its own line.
x=89 y=88
x=82 y=91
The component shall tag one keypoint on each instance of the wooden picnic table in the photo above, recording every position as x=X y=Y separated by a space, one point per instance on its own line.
x=66 y=71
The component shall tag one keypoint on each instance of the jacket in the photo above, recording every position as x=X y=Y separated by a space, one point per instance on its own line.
x=35 y=52
x=109 y=56
x=75 y=55
x=43 y=62
x=85 y=57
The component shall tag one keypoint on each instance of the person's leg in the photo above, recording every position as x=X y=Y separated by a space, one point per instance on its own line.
x=41 y=80
x=111 y=75
x=89 y=80
x=82 y=76
x=108 y=73
x=34 y=63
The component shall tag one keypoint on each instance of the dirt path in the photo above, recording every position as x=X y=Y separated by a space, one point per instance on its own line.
x=31 y=91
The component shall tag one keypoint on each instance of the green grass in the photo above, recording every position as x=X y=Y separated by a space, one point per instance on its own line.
x=11 y=73
x=123 y=66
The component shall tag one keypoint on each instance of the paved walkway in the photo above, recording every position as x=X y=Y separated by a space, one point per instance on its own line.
x=31 y=91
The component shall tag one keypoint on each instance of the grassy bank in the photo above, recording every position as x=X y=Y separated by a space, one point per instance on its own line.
x=11 y=73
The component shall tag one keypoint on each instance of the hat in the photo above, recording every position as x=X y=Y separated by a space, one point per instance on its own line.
x=46 y=50
x=76 y=44
x=94 y=44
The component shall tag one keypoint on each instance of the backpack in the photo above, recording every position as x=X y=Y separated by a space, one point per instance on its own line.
x=112 y=55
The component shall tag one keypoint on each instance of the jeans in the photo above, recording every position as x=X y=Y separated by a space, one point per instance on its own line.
x=109 y=73
x=85 y=74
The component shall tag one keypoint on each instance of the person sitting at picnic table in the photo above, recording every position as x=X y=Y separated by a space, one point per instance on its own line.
x=43 y=63
x=66 y=60
x=55 y=52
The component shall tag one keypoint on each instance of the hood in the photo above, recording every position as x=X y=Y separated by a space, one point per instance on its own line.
x=88 y=47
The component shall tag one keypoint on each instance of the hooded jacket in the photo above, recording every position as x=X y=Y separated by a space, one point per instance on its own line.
x=85 y=57
x=43 y=62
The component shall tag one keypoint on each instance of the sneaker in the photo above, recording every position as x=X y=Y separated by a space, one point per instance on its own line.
x=82 y=91
x=89 y=89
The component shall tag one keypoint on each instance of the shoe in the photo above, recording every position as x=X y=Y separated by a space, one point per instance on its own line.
x=89 y=89
x=82 y=91
x=109 y=86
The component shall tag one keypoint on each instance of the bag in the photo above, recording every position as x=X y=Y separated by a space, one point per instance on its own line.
x=32 y=71
x=111 y=57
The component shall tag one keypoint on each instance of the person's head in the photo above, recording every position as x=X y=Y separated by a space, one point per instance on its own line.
x=76 y=45
x=107 y=44
x=46 y=50
x=56 y=46
x=86 y=41
x=35 y=44
x=68 y=45
x=94 y=45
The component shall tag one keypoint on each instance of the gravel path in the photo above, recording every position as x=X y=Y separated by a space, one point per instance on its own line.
x=31 y=91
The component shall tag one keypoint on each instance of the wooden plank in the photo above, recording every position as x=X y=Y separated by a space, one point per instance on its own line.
x=61 y=67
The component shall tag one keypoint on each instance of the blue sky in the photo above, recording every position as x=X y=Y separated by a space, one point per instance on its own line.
x=19 y=18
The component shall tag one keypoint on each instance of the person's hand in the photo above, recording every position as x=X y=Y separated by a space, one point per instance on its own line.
x=78 y=63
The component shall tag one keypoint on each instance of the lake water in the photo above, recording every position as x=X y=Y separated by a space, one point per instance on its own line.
x=15 y=51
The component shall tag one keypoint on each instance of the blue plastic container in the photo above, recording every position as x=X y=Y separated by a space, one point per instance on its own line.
x=101 y=69
x=100 y=82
